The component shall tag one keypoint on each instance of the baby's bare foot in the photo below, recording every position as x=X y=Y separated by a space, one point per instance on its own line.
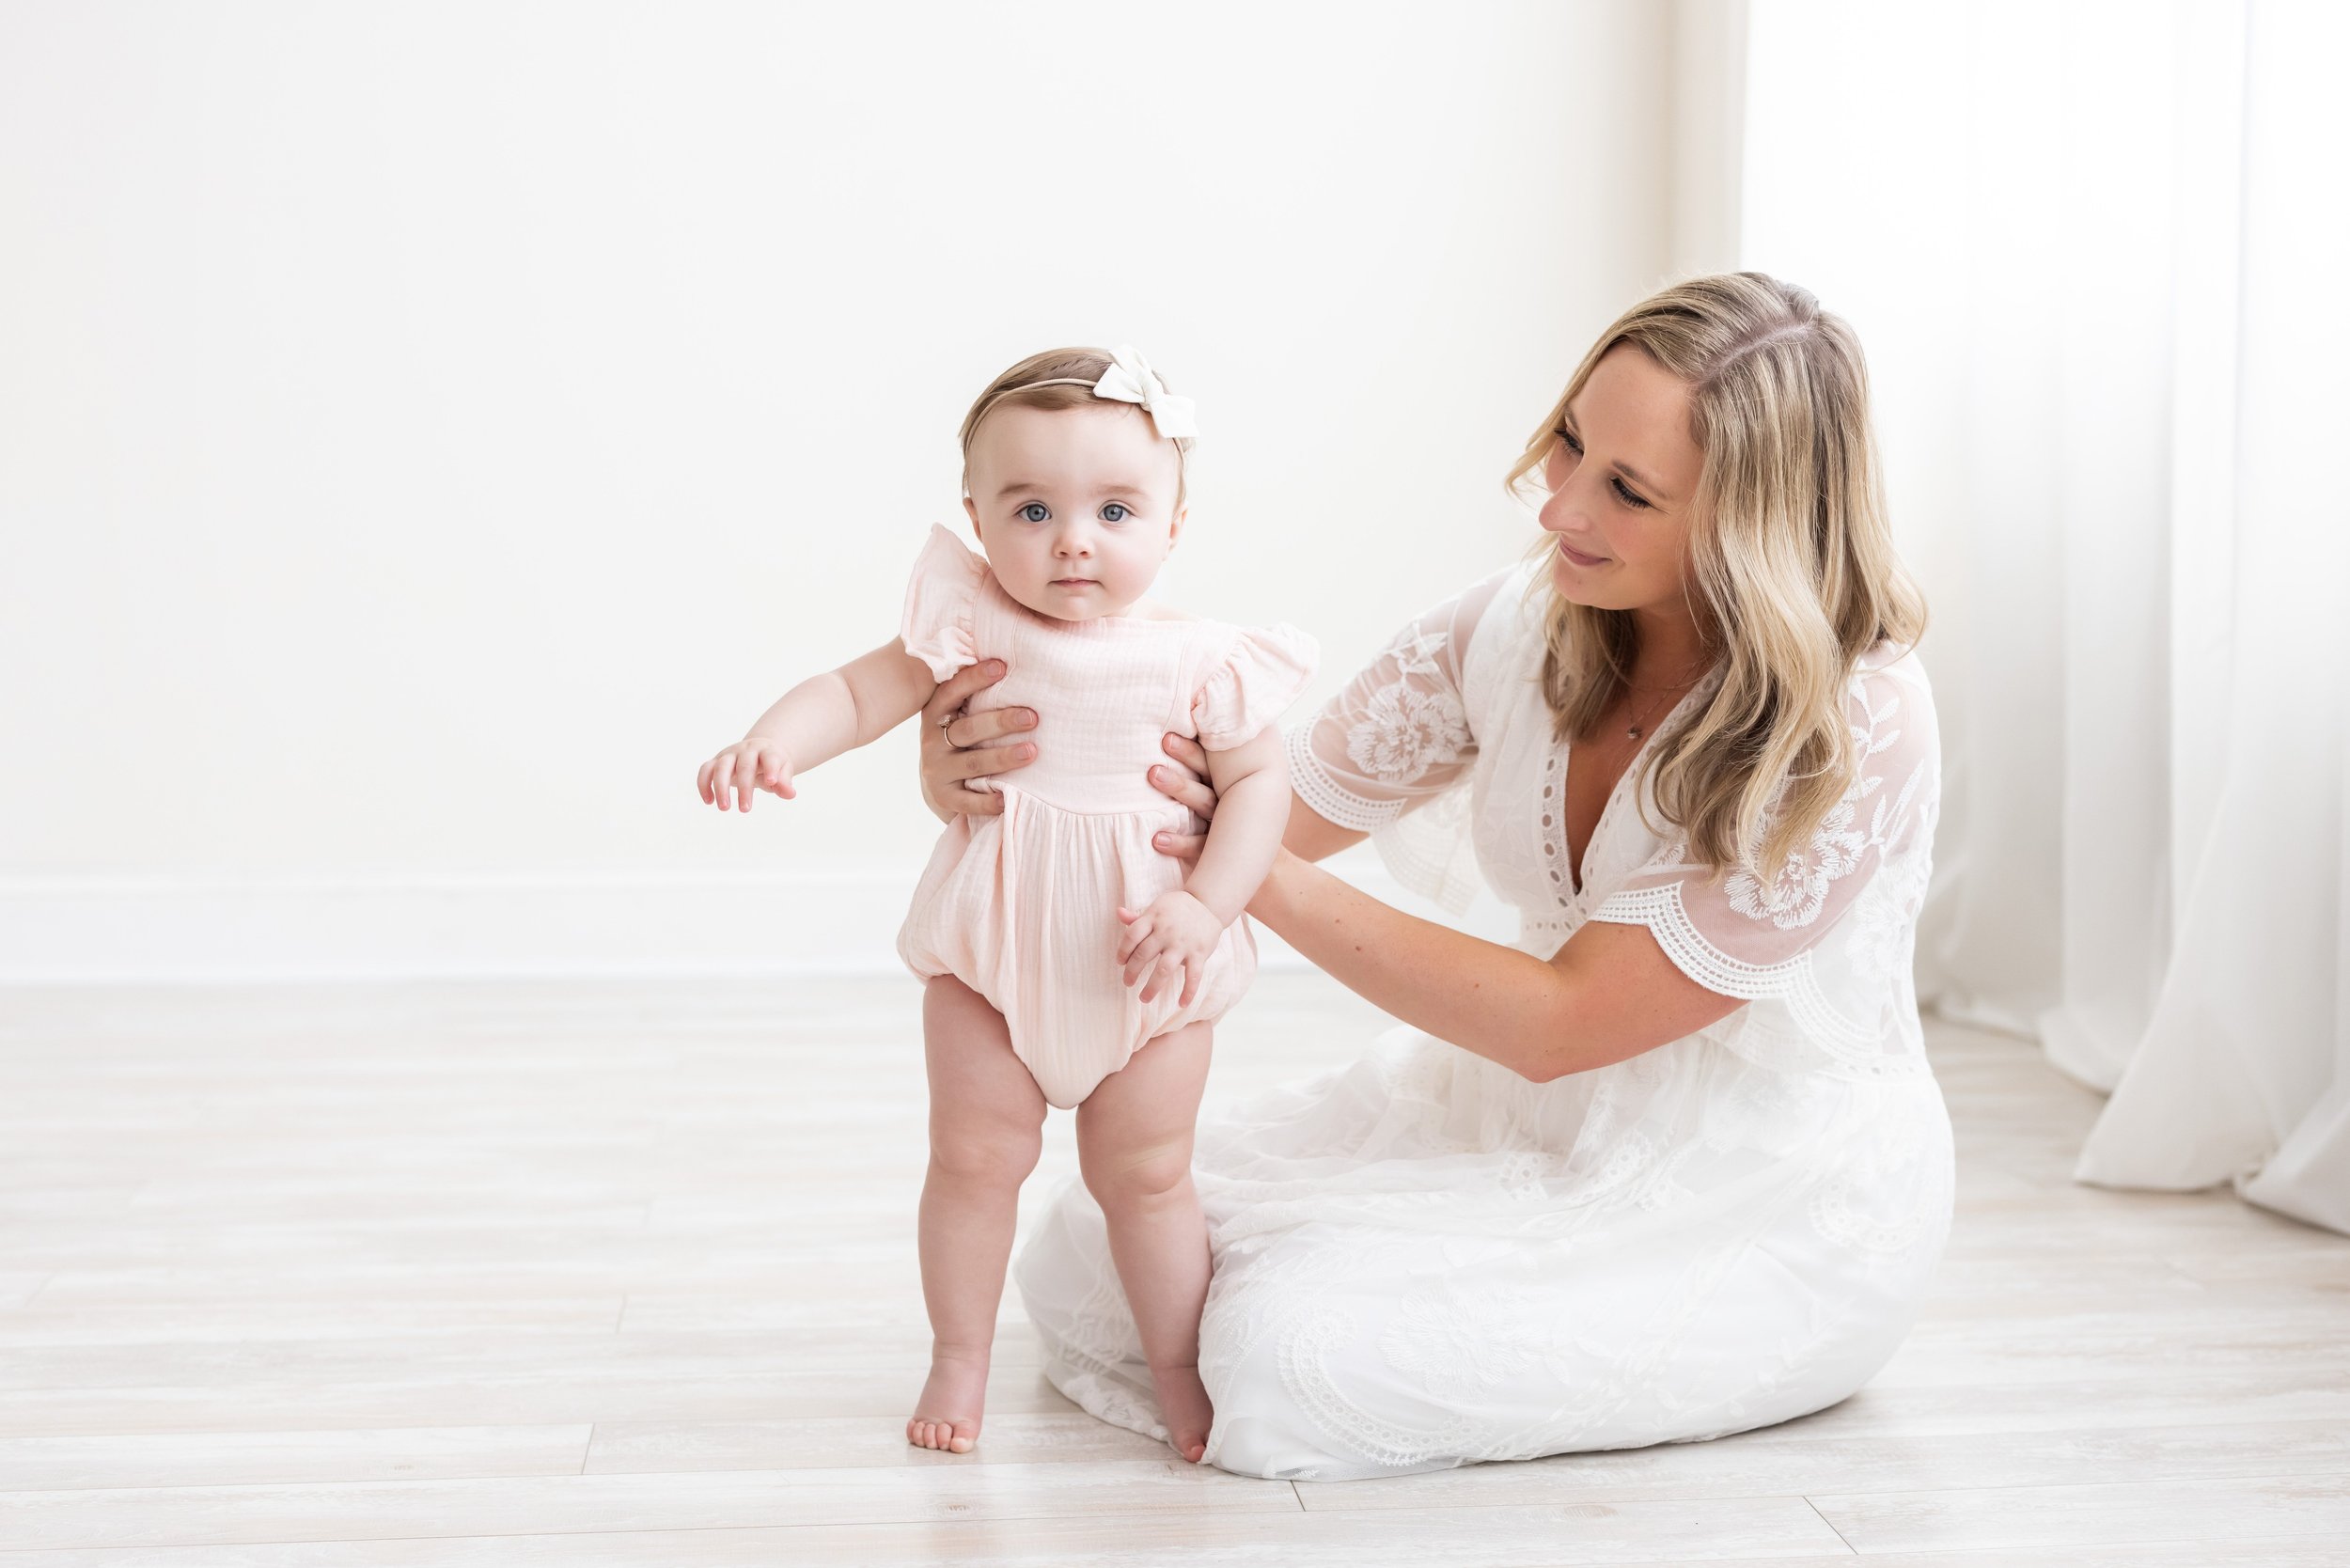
x=1183 y=1405
x=946 y=1416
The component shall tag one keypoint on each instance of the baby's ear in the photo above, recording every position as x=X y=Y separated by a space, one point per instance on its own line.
x=1175 y=528
x=971 y=510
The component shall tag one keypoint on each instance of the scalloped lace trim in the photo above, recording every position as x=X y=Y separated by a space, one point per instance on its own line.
x=1791 y=980
x=1331 y=799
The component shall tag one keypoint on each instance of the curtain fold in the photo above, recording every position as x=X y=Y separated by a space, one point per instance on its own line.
x=2096 y=251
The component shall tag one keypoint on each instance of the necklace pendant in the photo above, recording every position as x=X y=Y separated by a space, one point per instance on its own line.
x=1632 y=731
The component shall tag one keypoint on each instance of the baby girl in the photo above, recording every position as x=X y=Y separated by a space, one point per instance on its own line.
x=1065 y=959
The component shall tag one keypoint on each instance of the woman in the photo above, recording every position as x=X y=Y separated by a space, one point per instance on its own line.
x=1673 y=1165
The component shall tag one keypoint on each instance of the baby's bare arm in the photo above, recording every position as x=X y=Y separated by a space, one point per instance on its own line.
x=1252 y=807
x=816 y=721
x=846 y=708
x=1174 y=937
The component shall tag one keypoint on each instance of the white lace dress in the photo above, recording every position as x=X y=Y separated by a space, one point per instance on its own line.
x=1423 y=1260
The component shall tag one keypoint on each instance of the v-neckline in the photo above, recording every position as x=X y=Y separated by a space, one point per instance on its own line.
x=1578 y=865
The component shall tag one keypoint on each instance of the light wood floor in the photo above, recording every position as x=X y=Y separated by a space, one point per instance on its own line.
x=593 y=1274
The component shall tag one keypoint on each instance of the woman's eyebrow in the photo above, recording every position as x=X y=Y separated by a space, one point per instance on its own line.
x=1625 y=468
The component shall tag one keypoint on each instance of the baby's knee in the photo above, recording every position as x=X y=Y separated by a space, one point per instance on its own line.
x=1124 y=1178
x=994 y=1154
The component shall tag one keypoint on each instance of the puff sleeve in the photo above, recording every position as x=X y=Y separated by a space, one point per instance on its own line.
x=936 y=624
x=1259 y=675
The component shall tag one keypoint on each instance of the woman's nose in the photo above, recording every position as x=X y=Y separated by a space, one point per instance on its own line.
x=1558 y=509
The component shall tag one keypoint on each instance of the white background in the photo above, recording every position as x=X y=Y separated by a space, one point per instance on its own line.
x=428 y=432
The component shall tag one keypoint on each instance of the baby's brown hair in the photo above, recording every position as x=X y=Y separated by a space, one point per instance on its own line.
x=1061 y=369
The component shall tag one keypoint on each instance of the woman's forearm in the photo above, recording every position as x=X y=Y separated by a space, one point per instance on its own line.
x=1311 y=835
x=1500 y=1003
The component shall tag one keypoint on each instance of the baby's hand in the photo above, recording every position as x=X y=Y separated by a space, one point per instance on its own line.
x=1177 y=934
x=742 y=767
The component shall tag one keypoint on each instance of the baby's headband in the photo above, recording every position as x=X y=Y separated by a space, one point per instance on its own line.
x=1130 y=380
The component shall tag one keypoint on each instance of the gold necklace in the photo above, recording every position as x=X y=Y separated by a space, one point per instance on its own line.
x=1632 y=732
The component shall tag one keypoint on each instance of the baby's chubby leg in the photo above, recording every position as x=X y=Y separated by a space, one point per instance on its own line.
x=987 y=1118
x=1133 y=1145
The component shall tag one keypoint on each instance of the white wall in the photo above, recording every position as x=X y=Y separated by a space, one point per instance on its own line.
x=428 y=432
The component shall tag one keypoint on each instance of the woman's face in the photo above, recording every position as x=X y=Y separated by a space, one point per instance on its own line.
x=1621 y=479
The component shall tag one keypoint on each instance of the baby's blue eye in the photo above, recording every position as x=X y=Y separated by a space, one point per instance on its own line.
x=1036 y=511
x=1115 y=511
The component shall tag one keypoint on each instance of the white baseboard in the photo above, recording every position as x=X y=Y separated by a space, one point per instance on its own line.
x=74 y=930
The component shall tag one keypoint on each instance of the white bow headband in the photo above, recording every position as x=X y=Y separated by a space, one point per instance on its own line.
x=1130 y=380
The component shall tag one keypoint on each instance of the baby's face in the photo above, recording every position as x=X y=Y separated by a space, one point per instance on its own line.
x=1075 y=508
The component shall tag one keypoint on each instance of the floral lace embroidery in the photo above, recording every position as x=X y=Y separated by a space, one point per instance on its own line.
x=1416 y=652
x=1795 y=895
x=1405 y=730
x=1416 y=721
x=1332 y=801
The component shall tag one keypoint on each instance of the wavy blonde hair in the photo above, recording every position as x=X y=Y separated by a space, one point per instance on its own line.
x=1013 y=390
x=1791 y=575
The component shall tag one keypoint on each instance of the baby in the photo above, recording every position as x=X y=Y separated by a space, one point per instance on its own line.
x=1066 y=961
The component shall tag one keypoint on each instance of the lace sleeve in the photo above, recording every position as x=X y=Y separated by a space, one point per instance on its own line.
x=1396 y=737
x=1747 y=934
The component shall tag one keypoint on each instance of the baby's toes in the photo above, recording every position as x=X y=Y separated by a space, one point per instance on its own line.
x=961 y=1437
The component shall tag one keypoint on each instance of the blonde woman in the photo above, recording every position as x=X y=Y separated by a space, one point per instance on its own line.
x=1672 y=1165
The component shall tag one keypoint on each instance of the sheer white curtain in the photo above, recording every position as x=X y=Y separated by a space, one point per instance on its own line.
x=2098 y=253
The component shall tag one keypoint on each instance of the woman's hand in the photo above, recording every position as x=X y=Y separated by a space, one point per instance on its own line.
x=1186 y=781
x=742 y=768
x=1175 y=936
x=970 y=746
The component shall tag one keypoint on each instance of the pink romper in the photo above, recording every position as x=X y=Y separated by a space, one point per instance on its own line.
x=1022 y=907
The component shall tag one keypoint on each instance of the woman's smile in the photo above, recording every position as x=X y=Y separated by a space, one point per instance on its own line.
x=1578 y=557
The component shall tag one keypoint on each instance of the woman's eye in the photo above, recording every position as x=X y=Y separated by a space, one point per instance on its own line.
x=1114 y=512
x=1036 y=511
x=1629 y=498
